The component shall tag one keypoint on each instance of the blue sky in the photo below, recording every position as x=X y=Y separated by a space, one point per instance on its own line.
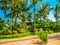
x=51 y=17
x=1 y=14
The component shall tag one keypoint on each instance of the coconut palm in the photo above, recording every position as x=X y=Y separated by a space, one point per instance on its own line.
x=14 y=7
x=34 y=2
x=24 y=11
x=44 y=11
x=56 y=12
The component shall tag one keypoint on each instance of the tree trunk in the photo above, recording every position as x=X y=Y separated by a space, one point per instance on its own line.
x=16 y=19
x=34 y=19
x=24 y=26
x=11 y=23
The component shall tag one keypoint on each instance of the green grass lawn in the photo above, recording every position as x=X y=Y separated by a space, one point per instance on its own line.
x=16 y=35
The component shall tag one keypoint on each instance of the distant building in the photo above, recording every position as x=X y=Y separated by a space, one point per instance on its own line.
x=29 y=23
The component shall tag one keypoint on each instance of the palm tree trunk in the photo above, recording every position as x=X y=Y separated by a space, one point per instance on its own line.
x=4 y=14
x=11 y=23
x=11 y=16
x=16 y=18
x=34 y=19
x=5 y=9
x=24 y=26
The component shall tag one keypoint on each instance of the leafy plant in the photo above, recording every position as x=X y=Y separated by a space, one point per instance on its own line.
x=50 y=31
x=5 y=29
x=43 y=36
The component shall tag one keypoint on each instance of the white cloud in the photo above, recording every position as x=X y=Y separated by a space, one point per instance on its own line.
x=51 y=16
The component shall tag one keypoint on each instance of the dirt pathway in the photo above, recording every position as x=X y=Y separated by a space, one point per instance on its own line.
x=54 y=39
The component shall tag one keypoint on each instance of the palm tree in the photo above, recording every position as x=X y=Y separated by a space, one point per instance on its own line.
x=24 y=11
x=34 y=2
x=56 y=12
x=11 y=14
x=14 y=12
x=44 y=11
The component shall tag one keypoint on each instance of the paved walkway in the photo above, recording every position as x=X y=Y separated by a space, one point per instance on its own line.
x=54 y=39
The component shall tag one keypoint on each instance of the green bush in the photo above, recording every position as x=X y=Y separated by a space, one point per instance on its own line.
x=43 y=36
x=0 y=32
x=50 y=31
x=9 y=32
x=5 y=29
x=21 y=31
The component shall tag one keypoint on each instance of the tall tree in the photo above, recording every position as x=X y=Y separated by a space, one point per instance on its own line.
x=44 y=10
x=34 y=2
x=56 y=12
x=24 y=11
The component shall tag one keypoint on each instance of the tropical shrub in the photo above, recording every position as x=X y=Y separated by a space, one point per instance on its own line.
x=20 y=31
x=15 y=32
x=9 y=32
x=0 y=32
x=43 y=36
x=50 y=31
x=5 y=29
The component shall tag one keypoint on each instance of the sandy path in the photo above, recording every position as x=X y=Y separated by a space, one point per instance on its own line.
x=54 y=39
